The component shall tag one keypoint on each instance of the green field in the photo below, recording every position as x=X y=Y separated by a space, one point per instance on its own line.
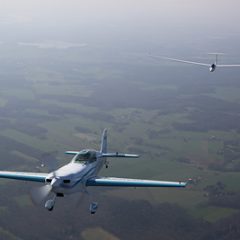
x=178 y=135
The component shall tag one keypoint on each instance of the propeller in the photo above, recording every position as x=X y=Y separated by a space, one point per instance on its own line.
x=39 y=194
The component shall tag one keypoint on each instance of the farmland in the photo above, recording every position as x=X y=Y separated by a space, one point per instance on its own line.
x=182 y=126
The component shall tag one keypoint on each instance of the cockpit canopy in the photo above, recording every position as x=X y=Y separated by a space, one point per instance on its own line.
x=86 y=156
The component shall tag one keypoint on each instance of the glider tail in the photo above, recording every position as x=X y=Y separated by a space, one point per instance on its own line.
x=104 y=141
x=216 y=54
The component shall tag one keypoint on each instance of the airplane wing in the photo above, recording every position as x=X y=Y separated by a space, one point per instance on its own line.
x=228 y=65
x=180 y=60
x=25 y=176
x=126 y=182
x=188 y=62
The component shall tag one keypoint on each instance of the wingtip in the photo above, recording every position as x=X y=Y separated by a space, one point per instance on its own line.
x=189 y=181
x=185 y=183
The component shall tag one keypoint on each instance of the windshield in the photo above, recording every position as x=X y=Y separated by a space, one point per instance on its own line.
x=86 y=156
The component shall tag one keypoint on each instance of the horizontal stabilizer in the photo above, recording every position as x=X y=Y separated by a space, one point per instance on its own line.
x=72 y=152
x=215 y=53
x=126 y=182
x=119 y=155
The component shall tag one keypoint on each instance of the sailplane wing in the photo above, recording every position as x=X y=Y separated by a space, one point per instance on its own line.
x=188 y=62
x=228 y=65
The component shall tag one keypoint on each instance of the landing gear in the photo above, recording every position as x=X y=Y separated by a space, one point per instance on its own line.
x=49 y=204
x=93 y=207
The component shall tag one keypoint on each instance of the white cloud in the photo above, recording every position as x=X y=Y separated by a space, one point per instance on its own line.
x=53 y=44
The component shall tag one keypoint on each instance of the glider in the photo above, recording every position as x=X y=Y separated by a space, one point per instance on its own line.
x=212 y=66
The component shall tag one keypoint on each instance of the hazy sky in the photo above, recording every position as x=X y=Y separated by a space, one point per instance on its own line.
x=121 y=11
x=148 y=23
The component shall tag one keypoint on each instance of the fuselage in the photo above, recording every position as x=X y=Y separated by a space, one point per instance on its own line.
x=72 y=177
x=212 y=68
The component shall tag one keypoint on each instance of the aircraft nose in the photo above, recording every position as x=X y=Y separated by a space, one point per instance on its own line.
x=55 y=182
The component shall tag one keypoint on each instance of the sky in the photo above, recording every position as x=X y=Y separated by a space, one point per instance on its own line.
x=218 y=12
x=81 y=32
x=177 y=26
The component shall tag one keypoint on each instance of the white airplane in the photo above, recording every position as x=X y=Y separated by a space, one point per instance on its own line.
x=212 y=66
x=80 y=173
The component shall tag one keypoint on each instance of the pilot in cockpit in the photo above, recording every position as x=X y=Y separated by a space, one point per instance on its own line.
x=86 y=156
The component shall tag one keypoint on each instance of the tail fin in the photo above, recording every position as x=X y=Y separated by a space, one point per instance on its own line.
x=216 y=56
x=104 y=141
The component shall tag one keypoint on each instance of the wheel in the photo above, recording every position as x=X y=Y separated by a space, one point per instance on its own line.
x=93 y=207
x=50 y=209
x=49 y=205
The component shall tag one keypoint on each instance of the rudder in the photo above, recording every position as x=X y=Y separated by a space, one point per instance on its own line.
x=104 y=141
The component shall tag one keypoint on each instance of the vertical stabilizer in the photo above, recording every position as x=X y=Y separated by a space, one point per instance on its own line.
x=104 y=141
x=216 y=56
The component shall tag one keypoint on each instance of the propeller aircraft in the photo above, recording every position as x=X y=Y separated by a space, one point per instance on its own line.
x=79 y=174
